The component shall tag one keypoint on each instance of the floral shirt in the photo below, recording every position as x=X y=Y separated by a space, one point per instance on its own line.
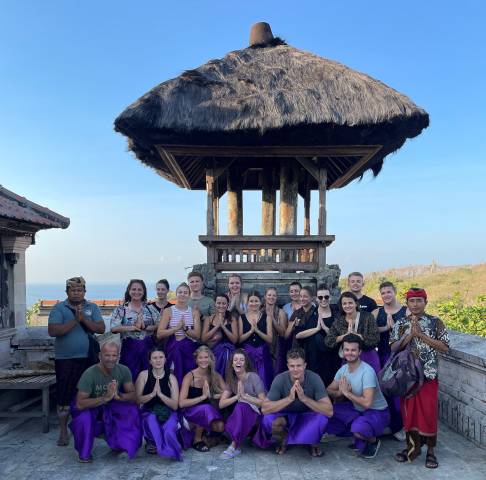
x=432 y=327
x=124 y=315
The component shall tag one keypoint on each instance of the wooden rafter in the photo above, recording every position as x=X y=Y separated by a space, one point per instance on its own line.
x=174 y=167
x=310 y=166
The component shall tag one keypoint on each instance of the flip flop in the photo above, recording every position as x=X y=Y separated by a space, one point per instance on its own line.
x=402 y=456
x=431 y=461
x=200 y=446
x=315 y=451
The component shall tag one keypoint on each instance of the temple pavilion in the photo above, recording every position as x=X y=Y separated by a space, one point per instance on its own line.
x=268 y=117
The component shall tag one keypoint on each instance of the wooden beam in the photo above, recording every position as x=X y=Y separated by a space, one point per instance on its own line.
x=210 y=201
x=269 y=200
x=307 y=202
x=310 y=166
x=322 y=200
x=289 y=185
x=270 y=151
x=174 y=167
x=235 y=202
x=355 y=168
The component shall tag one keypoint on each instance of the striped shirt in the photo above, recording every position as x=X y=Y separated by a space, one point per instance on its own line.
x=177 y=315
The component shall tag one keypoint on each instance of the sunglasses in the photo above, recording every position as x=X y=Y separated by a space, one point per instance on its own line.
x=323 y=297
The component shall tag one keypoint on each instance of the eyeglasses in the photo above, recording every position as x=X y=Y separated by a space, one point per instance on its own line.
x=323 y=297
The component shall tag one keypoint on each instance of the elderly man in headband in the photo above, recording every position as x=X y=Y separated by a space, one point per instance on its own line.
x=72 y=323
x=427 y=335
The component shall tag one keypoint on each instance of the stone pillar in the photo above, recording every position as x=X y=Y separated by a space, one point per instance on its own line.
x=269 y=200
x=235 y=203
x=289 y=183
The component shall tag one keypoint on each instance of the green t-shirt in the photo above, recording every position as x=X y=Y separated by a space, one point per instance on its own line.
x=204 y=304
x=95 y=382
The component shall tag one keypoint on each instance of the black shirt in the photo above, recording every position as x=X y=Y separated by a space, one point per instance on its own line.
x=367 y=304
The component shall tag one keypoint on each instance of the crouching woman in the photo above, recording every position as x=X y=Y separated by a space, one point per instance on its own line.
x=158 y=395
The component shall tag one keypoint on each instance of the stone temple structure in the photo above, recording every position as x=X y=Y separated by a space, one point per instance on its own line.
x=268 y=117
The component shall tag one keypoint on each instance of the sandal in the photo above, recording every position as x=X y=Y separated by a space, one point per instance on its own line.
x=431 y=461
x=402 y=457
x=315 y=451
x=200 y=446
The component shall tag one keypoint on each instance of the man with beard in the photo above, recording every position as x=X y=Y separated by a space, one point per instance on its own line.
x=106 y=404
x=72 y=323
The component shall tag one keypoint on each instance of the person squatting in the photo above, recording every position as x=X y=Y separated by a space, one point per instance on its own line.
x=197 y=371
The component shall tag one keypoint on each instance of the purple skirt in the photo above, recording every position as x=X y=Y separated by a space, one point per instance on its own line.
x=283 y=346
x=304 y=428
x=346 y=420
x=222 y=353
x=180 y=356
x=118 y=421
x=372 y=359
x=262 y=362
x=240 y=423
x=134 y=354
x=201 y=415
x=163 y=436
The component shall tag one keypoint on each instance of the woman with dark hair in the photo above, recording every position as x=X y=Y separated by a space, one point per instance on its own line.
x=311 y=333
x=158 y=395
x=162 y=289
x=181 y=327
x=199 y=387
x=297 y=318
x=136 y=322
x=245 y=393
x=279 y=323
x=256 y=336
x=220 y=333
x=352 y=320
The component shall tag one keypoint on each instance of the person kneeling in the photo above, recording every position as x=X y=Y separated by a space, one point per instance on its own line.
x=364 y=412
x=297 y=408
x=158 y=396
x=101 y=408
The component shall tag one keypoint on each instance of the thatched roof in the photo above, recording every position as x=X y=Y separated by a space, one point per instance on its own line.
x=271 y=95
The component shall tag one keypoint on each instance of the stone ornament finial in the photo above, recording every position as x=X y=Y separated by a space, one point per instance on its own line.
x=261 y=32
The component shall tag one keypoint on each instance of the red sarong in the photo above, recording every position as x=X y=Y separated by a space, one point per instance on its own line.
x=420 y=412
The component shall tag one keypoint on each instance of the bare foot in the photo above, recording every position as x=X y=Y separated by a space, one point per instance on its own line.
x=282 y=448
x=63 y=440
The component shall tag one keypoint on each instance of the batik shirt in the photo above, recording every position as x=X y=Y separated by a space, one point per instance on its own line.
x=124 y=316
x=434 y=328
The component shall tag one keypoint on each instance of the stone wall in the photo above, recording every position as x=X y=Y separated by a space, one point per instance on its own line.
x=462 y=387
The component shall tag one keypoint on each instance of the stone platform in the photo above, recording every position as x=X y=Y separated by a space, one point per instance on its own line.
x=25 y=453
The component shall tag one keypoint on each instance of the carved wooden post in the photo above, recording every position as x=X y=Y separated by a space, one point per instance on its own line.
x=306 y=255
x=269 y=198
x=322 y=214
x=288 y=197
x=235 y=203
x=210 y=214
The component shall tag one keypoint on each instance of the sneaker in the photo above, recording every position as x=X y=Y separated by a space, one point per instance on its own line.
x=400 y=436
x=371 y=449
x=230 y=452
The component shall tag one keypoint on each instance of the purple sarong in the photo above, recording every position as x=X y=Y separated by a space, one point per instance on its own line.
x=163 y=436
x=222 y=353
x=371 y=358
x=240 y=423
x=304 y=428
x=201 y=415
x=283 y=346
x=134 y=354
x=119 y=421
x=180 y=356
x=262 y=362
x=346 y=420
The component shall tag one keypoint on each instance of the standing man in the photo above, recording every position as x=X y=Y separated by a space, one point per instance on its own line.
x=427 y=335
x=297 y=408
x=205 y=305
x=72 y=323
x=356 y=284
x=364 y=411
x=106 y=404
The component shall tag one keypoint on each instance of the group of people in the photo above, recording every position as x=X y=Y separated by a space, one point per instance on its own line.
x=238 y=366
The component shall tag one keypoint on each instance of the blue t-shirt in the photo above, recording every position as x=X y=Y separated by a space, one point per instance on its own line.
x=363 y=377
x=75 y=343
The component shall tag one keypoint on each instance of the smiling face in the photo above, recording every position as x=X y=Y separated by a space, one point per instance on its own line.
x=182 y=294
x=234 y=285
x=136 y=291
x=351 y=351
x=323 y=297
x=157 y=360
x=254 y=303
x=109 y=355
x=349 y=305
x=305 y=298
x=221 y=305
x=239 y=362
x=355 y=283
x=271 y=297
x=162 y=291
x=388 y=295
x=203 y=360
x=294 y=293
x=195 y=284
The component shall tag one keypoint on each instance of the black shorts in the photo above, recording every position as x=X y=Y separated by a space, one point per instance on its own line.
x=68 y=373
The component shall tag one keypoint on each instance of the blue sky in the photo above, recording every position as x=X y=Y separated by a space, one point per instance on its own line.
x=67 y=69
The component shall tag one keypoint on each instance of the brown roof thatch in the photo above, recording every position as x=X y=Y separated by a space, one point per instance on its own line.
x=17 y=214
x=271 y=95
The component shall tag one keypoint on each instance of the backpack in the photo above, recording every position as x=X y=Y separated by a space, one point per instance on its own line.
x=402 y=375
